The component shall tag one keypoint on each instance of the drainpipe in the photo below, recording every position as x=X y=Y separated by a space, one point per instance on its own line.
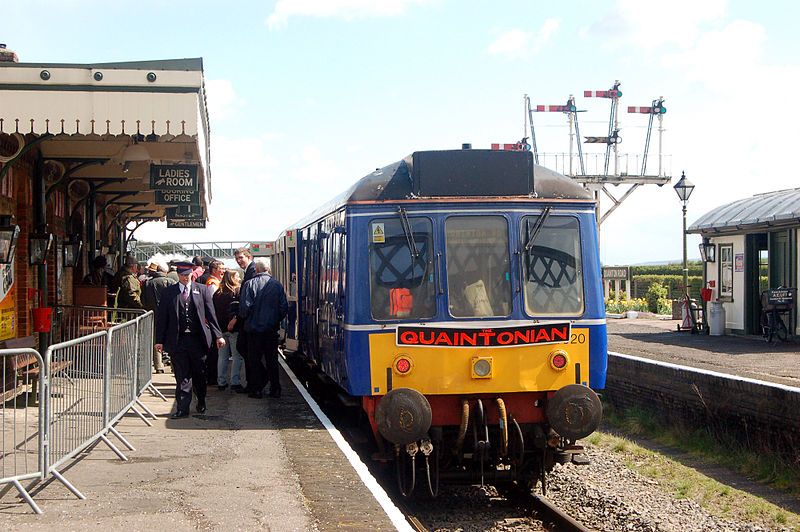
x=40 y=226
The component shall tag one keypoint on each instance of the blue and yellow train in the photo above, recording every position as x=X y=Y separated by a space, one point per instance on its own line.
x=456 y=296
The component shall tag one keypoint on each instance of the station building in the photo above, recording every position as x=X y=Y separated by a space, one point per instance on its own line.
x=749 y=246
x=77 y=146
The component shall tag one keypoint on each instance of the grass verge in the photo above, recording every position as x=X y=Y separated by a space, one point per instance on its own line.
x=687 y=483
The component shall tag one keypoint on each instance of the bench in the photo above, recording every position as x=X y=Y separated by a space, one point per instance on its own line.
x=16 y=366
x=24 y=369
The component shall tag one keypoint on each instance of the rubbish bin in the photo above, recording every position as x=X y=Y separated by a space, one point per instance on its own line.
x=716 y=318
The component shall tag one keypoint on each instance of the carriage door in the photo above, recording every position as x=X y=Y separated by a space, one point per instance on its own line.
x=311 y=293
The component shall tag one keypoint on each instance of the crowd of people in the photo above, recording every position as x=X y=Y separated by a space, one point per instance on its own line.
x=216 y=327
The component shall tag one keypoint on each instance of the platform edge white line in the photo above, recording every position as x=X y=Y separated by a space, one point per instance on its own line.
x=392 y=512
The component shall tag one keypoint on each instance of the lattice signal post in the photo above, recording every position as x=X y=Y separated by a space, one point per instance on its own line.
x=598 y=182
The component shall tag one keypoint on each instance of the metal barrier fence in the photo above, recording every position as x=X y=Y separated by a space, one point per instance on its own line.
x=22 y=455
x=72 y=321
x=87 y=385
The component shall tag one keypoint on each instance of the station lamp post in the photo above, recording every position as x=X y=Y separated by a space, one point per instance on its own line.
x=684 y=189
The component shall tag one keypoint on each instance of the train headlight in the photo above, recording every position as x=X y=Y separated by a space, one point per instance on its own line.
x=559 y=360
x=402 y=365
x=482 y=368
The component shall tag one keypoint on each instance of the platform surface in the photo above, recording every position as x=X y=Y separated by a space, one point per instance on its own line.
x=744 y=356
x=246 y=464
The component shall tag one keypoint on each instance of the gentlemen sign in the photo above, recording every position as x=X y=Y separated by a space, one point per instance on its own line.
x=185 y=212
x=177 y=197
x=185 y=224
x=173 y=177
x=549 y=333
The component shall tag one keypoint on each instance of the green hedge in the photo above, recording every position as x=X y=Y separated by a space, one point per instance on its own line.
x=695 y=269
x=640 y=284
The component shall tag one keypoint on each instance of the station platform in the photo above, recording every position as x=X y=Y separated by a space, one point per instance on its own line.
x=743 y=356
x=246 y=464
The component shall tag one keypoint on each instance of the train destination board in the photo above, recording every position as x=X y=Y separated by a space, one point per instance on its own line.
x=177 y=197
x=545 y=333
x=185 y=224
x=173 y=177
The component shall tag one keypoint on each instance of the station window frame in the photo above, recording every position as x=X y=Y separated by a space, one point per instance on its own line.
x=726 y=261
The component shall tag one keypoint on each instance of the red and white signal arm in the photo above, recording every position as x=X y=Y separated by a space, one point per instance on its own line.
x=262 y=249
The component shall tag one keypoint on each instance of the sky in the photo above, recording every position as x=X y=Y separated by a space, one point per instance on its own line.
x=307 y=96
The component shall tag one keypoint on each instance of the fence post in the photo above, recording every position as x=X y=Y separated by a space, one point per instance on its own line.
x=107 y=380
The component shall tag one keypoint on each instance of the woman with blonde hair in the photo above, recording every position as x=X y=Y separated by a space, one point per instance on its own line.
x=226 y=302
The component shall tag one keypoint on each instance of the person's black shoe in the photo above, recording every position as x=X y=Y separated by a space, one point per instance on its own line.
x=179 y=415
x=243 y=390
x=222 y=387
x=255 y=395
x=238 y=388
x=201 y=407
x=275 y=394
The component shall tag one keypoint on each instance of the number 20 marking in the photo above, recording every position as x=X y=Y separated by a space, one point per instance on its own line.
x=578 y=338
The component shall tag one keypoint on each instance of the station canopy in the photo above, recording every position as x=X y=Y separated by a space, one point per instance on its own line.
x=118 y=118
x=760 y=212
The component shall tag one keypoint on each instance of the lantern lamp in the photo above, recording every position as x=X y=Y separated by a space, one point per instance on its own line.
x=40 y=244
x=708 y=252
x=72 y=252
x=9 y=233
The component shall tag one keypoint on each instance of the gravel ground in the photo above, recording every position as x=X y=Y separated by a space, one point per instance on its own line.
x=607 y=496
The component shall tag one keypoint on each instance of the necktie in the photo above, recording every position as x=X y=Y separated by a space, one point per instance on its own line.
x=185 y=293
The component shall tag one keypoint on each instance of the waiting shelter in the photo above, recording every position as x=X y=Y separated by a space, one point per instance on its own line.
x=750 y=246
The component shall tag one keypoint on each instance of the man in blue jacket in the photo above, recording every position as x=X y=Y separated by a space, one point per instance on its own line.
x=262 y=306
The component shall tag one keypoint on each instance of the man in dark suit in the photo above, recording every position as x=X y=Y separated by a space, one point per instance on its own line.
x=185 y=326
x=245 y=261
x=262 y=306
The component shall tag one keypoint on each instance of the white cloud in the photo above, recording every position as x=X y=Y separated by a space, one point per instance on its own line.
x=223 y=102
x=341 y=9
x=647 y=24
x=513 y=43
x=517 y=43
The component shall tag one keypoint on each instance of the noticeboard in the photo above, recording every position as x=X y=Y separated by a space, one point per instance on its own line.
x=186 y=212
x=612 y=273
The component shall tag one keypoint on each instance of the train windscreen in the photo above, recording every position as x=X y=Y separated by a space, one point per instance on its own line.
x=478 y=274
x=551 y=266
x=401 y=272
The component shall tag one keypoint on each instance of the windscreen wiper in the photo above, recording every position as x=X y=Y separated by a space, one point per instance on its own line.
x=531 y=237
x=406 y=225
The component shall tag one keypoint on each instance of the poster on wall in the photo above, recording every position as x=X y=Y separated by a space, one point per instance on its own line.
x=8 y=316
x=738 y=262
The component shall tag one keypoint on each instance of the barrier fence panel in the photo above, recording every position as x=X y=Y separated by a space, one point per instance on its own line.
x=22 y=455
x=73 y=321
x=122 y=364
x=144 y=371
x=75 y=410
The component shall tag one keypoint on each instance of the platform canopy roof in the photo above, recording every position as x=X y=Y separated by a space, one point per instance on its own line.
x=760 y=212
x=118 y=117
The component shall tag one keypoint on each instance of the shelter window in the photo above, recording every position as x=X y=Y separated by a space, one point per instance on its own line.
x=551 y=266
x=726 y=272
x=401 y=285
x=478 y=274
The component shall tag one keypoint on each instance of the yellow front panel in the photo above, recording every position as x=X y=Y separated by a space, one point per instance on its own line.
x=448 y=370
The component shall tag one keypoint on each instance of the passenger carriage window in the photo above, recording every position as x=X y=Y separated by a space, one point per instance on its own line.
x=551 y=266
x=478 y=276
x=401 y=271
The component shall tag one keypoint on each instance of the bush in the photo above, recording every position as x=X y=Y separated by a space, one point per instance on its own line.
x=641 y=284
x=654 y=295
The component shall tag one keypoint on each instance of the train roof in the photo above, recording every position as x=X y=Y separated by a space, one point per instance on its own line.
x=449 y=174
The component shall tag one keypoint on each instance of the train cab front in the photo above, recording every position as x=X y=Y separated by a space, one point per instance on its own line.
x=498 y=405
